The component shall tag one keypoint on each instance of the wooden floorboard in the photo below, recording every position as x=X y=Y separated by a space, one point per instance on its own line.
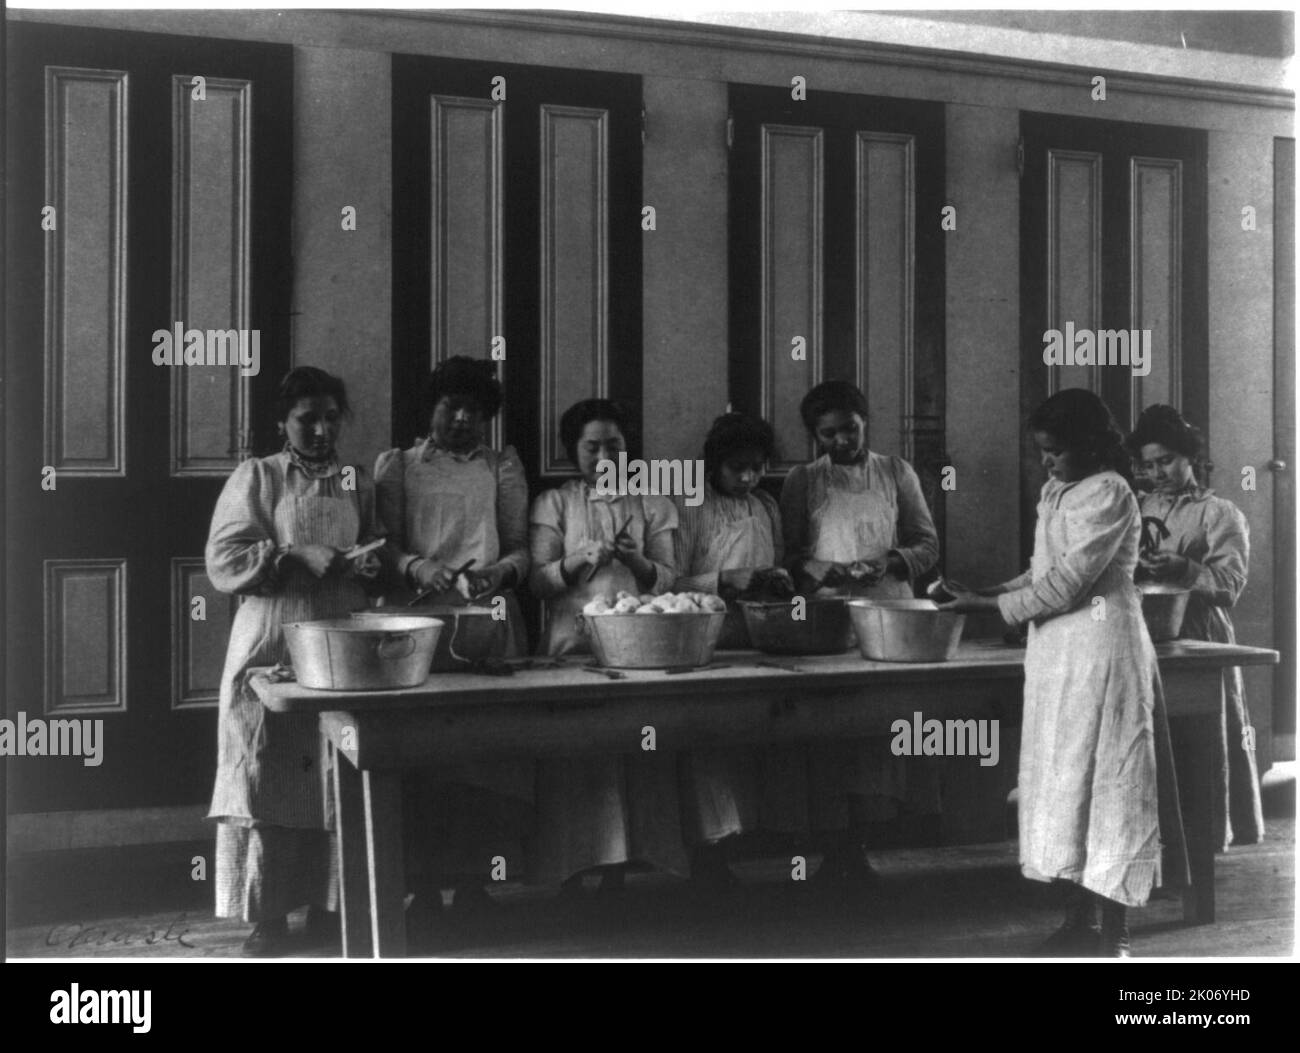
x=956 y=902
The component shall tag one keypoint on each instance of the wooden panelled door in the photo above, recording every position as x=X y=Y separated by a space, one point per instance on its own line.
x=138 y=198
x=1112 y=237
x=837 y=266
x=517 y=217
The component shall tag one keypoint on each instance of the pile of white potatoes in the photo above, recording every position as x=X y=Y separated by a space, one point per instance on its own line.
x=668 y=603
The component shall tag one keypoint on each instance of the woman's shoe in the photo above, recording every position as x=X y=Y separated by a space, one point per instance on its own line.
x=267 y=940
x=1079 y=935
x=1114 y=931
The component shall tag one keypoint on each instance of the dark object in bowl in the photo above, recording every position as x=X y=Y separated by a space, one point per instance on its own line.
x=824 y=629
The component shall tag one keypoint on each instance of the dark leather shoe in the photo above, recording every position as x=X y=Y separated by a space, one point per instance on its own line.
x=1071 y=941
x=1114 y=932
x=267 y=940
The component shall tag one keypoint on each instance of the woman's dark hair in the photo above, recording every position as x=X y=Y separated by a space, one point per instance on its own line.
x=1166 y=426
x=306 y=382
x=1084 y=425
x=580 y=414
x=831 y=396
x=733 y=432
x=470 y=377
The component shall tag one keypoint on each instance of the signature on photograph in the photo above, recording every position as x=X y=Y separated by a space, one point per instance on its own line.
x=83 y=935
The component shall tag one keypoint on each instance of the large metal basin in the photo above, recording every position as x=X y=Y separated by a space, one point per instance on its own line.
x=348 y=654
x=654 y=641
x=824 y=628
x=1163 y=607
x=906 y=630
x=471 y=633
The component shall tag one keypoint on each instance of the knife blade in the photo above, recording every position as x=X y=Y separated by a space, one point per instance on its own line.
x=429 y=592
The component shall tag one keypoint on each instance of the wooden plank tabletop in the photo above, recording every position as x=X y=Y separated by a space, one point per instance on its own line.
x=741 y=672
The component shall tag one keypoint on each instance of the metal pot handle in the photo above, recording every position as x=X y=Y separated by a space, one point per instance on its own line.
x=404 y=638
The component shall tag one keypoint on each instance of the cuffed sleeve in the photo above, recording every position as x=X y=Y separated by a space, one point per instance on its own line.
x=390 y=513
x=243 y=554
x=512 y=515
x=660 y=529
x=546 y=546
x=1221 y=576
x=1020 y=581
x=1100 y=512
x=918 y=542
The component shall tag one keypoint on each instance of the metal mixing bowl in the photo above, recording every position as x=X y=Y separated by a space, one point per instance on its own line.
x=471 y=633
x=654 y=641
x=1163 y=607
x=348 y=654
x=905 y=630
x=824 y=629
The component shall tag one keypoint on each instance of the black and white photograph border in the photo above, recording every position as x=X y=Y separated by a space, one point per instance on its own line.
x=926 y=378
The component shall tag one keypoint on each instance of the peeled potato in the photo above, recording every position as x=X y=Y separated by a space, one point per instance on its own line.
x=647 y=609
x=597 y=606
x=626 y=606
x=714 y=603
x=623 y=594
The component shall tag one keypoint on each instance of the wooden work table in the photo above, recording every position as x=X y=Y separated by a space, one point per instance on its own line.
x=572 y=711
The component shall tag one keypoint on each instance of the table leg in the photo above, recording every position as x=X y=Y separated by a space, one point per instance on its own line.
x=349 y=818
x=383 y=805
x=1197 y=787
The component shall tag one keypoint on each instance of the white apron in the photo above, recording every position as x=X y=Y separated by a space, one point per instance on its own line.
x=849 y=521
x=1088 y=785
x=603 y=811
x=270 y=765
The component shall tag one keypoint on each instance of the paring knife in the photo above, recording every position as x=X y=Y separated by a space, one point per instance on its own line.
x=591 y=571
x=429 y=592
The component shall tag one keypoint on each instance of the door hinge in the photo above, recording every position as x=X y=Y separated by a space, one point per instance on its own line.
x=643 y=126
x=731 y=131
x=1020 y=156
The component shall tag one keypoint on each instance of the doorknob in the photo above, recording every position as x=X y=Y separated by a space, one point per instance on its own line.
x=1276 y=465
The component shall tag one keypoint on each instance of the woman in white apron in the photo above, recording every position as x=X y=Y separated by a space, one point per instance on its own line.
x=447 y=500
x=1205 y=547
x=277 y=539
x=856 y=524
x=606 y=812
x=1089 y=810
x=722 y=543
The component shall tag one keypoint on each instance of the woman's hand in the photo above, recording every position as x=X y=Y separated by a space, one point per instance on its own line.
x=737 y=580
x=822 y=573
x=1164 y=566
x=430 y=574
x=590 y=553
x=865 y=572
x=967 y=602
x=364 y=566
x=318 y=560
x=483 y=582
x=627 y=550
